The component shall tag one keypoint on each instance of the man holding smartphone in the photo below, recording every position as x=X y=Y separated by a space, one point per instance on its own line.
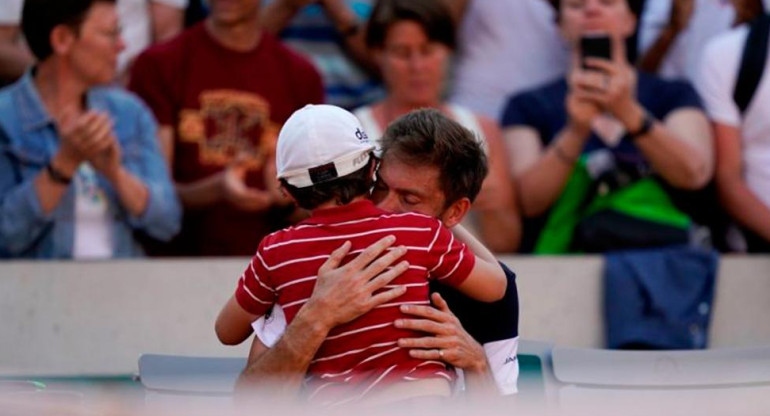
x=621 y=127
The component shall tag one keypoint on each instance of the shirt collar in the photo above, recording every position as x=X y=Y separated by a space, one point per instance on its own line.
x=355 y=210
x=31 y=109
x=33 y=113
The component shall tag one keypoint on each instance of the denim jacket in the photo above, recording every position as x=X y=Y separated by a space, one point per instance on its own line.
x=29 y=139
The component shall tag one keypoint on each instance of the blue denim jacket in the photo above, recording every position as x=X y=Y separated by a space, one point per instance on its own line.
x=29 y=139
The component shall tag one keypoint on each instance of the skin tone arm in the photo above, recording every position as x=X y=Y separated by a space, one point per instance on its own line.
x=681 y=12
x=486 y=281
x=341 y=294
x=14 y=57
x=496 y=203
x=740 y=202
x=167 y=21
x=277 y=15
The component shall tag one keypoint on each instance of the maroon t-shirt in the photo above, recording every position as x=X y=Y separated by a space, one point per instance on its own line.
x=223 y=103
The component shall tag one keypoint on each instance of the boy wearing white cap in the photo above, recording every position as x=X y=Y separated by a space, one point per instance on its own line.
x=325 y=162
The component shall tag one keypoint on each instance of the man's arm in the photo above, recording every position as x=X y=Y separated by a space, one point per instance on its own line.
x=341 y=294
x=167 y=20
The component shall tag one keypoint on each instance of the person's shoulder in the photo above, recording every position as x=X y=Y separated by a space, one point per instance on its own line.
x=535 y=103
x=279 y=49
x=728 y=42
x=543 y=94
x=174 y=48
x=120 y=100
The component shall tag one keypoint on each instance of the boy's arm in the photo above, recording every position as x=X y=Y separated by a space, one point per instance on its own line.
x=486 y=281
x=233 y=324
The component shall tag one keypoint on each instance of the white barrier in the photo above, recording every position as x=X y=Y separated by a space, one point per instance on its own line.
x=96 y=318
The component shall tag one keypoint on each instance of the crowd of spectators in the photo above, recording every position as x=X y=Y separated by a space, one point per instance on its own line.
x=131 y=127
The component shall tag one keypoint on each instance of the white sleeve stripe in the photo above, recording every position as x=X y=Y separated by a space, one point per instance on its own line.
x=435 y=237
x=246 y=288
x=406 y=285
x=457 y=265
x=323 y=386
x=445 y=375
x=333 y=375
x=359 y=330
x=441 y=363
x=344 y=237
x=296 y=302
x=344 y=354
x=392 y=304
x=448 y=248
x=256 y=277
x=286 y=263
x=371 y=386
x=294 y=282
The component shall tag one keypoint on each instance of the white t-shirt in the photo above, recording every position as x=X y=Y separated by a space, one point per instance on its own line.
x=716 y=82
x=10 y=12
x=137 y=28
x=505 y=47
x=93 y=226
x=709 y=18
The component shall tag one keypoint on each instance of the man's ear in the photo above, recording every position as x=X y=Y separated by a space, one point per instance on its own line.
x=62 y=38
x=455 y=213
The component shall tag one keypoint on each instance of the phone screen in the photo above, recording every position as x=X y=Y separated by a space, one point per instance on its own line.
x=595 y=46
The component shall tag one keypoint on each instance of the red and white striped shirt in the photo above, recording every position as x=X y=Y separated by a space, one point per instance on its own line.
x=363 y=354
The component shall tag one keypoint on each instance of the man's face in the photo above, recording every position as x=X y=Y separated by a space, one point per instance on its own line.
x=403 y=187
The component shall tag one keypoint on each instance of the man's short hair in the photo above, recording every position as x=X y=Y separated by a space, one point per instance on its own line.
x=428 y=138
x=342 y=190
x=40 y=17
x=433 y=16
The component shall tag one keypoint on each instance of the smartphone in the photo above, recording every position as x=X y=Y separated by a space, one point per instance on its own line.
x=595 y=46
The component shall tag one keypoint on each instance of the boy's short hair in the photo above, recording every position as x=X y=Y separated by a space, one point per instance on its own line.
x=40 y=17
x=341 y=190
x=433 y=16
x=428 y=138
x=322 y=155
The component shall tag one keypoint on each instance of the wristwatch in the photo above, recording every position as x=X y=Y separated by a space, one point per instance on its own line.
x=56 y=175
x=647 y=122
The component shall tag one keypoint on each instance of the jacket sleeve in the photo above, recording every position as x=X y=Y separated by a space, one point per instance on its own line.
x=22 y=220
x=163 y=216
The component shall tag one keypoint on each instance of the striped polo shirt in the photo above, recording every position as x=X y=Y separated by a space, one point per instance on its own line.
x=363 y=354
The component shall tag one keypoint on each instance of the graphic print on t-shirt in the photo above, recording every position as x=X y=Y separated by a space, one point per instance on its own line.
x=230 y=124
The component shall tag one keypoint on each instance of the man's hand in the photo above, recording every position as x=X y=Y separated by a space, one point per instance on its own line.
x=448 y=340
x=238 y=193
x=344 y=293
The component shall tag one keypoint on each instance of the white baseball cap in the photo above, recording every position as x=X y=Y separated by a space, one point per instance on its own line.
x=319 y=143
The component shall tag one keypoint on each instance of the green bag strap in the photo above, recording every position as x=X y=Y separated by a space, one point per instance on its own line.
x=645 y=199
x=556 y=235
